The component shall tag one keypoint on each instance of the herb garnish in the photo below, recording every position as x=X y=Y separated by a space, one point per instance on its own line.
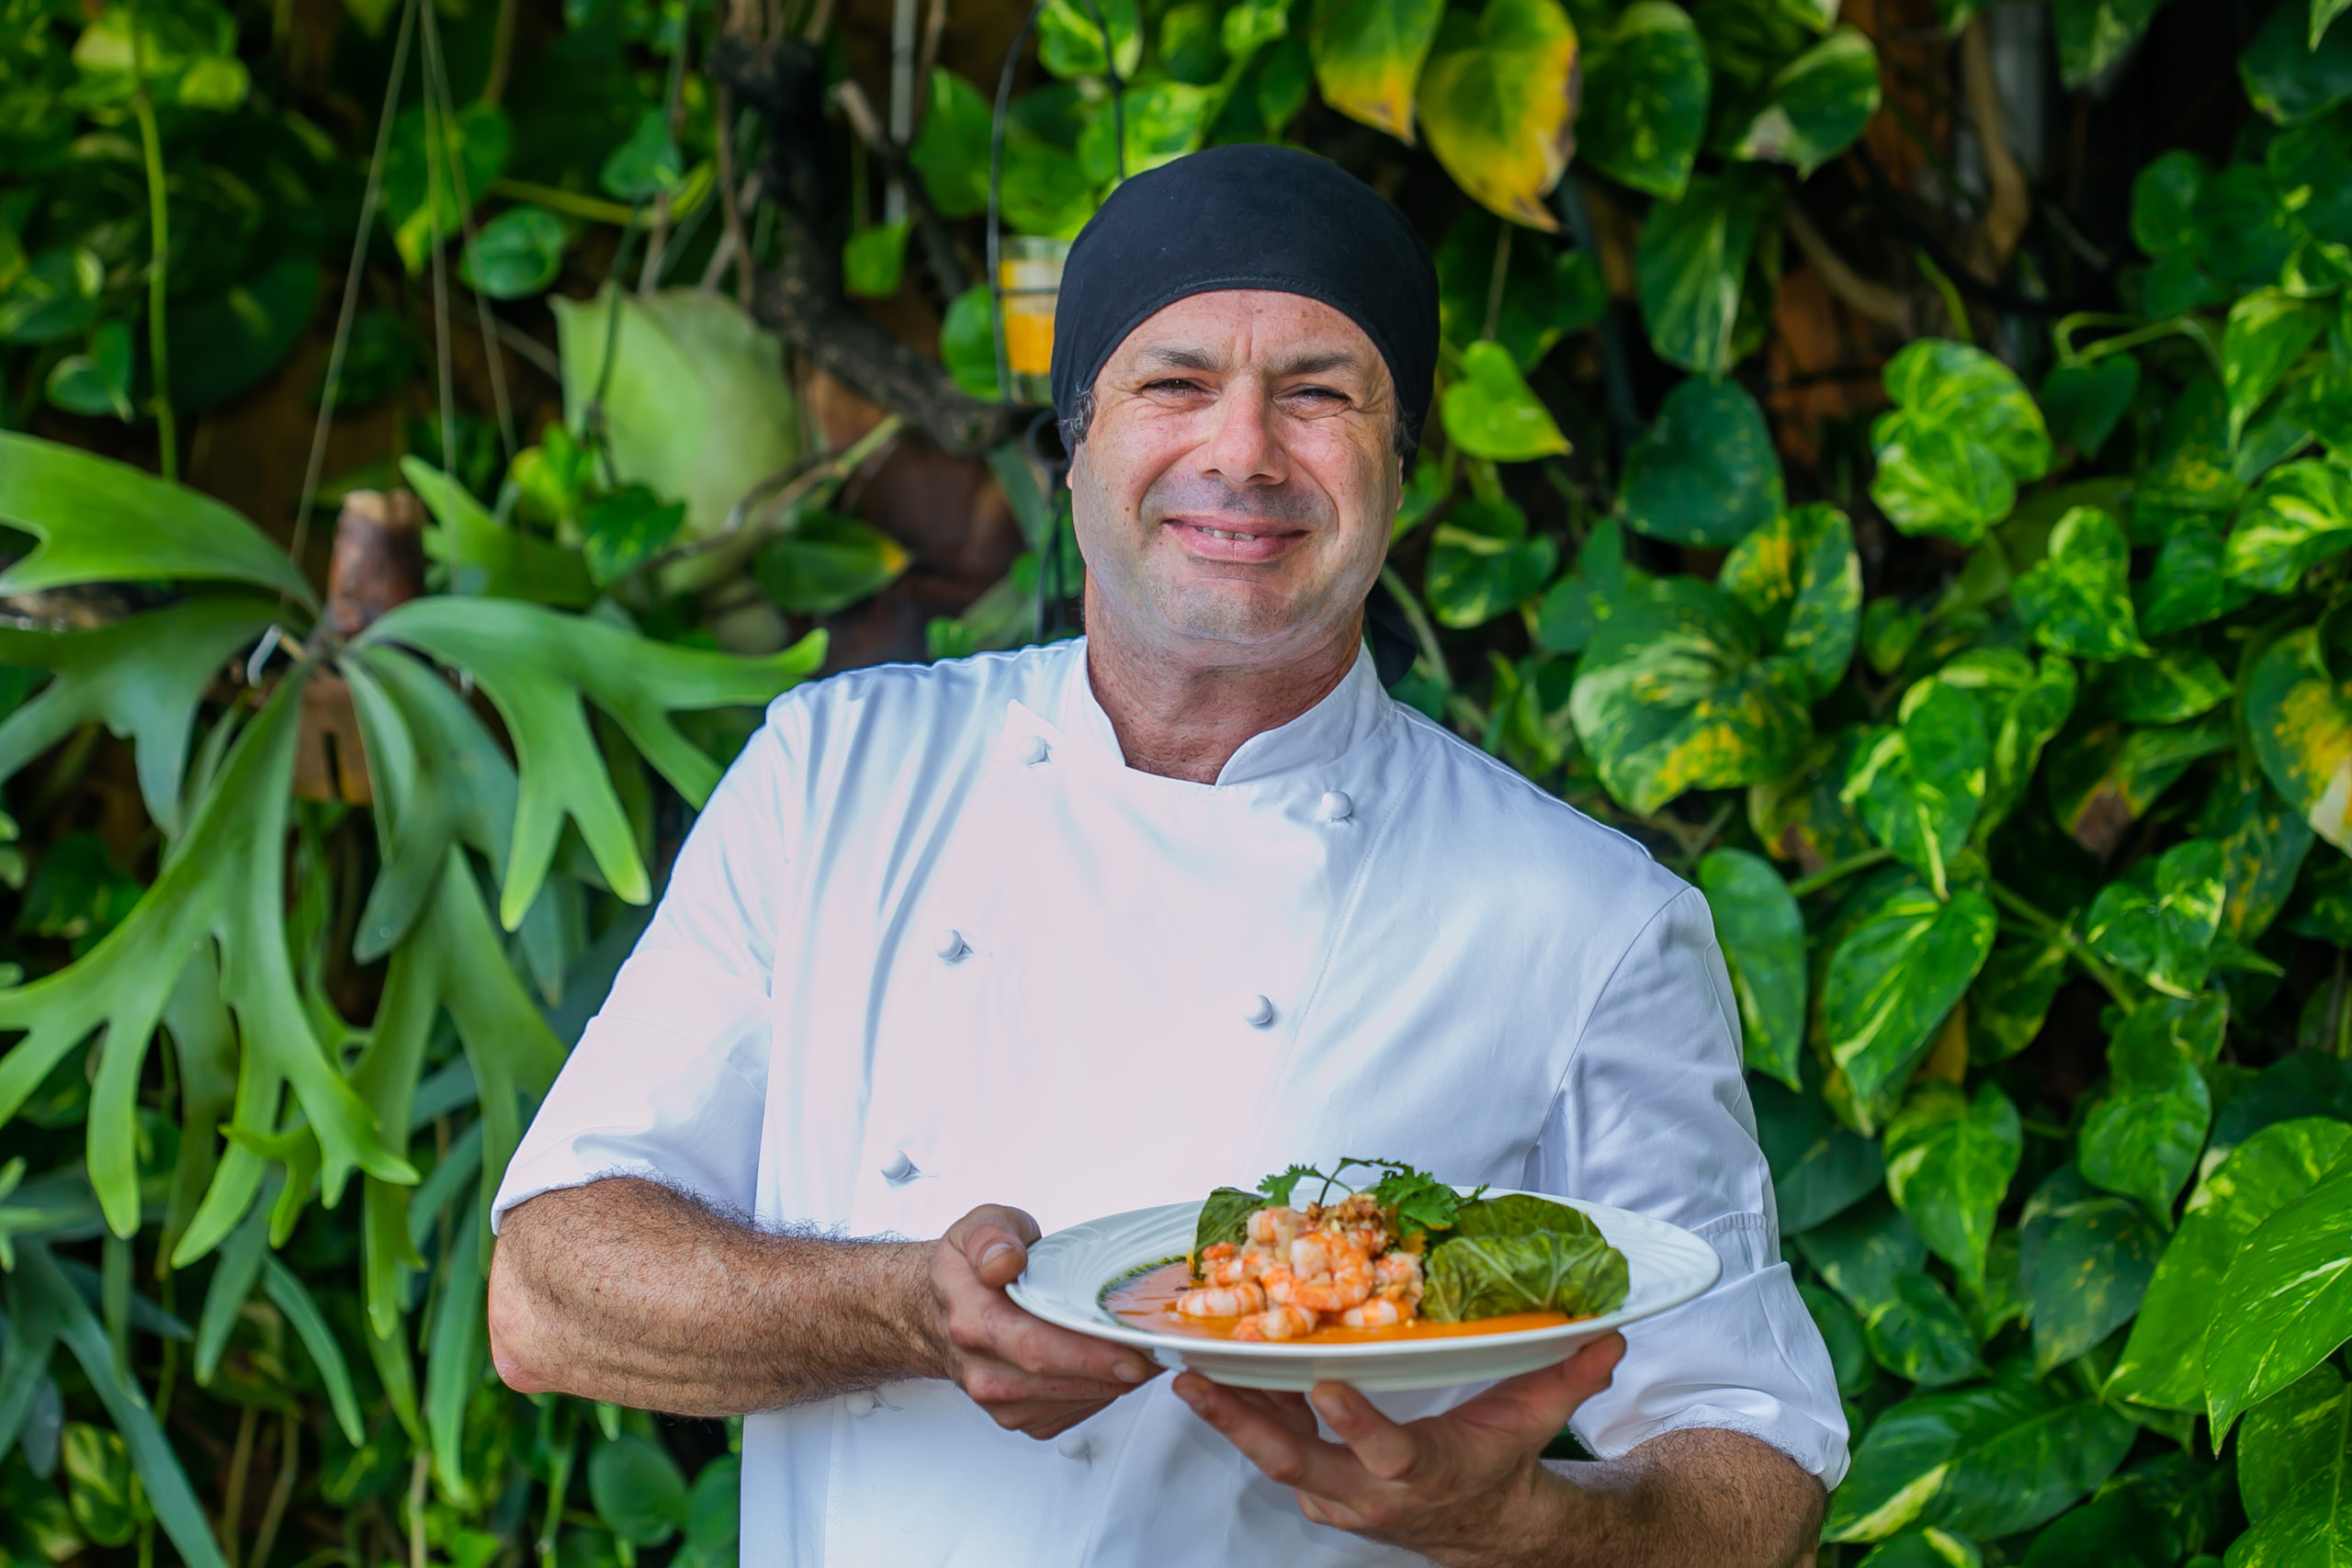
x=1420 y=1201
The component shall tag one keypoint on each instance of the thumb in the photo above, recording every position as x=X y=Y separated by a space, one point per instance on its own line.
x=1545 y=1399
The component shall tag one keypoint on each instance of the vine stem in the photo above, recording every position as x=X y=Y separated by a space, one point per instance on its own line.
x=159 y=222
x=1837 y=871
x=2076 y=949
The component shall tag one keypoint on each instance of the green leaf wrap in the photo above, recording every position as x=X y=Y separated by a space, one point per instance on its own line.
x=1473 y=1277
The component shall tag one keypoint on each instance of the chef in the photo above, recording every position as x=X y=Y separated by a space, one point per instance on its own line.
x=971 y=951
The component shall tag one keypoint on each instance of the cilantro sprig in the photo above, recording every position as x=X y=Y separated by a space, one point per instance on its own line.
x=1420 y=1201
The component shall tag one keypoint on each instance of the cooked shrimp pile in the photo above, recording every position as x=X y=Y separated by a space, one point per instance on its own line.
x=1297 y=1271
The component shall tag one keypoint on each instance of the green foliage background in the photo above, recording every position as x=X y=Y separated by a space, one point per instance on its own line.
x=2008 y=730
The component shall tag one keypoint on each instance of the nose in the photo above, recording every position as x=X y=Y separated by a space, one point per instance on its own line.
x=1243 y=449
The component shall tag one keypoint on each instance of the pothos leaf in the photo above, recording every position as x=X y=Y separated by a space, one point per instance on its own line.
x=2158 y=920
x=2142 y=1136
x=100 y=521
x=537 y=665
x=224 y=883
x=2078 y=600
x=1799 y=576
x=2299 y=712
x=142 y=676
x=1904 y=959
x=1919 y=783
x=1368 y=56
x=1762 y=933
x=1497 y=103
x=1671 y=695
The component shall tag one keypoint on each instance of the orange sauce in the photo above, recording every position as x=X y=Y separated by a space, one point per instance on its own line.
x=1147 y=1301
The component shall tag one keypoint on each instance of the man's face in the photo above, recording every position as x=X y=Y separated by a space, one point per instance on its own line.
x=1234 y=492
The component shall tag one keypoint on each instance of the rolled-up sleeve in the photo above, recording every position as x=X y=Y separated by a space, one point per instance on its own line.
x=1654 y=1117
x=669 y=1080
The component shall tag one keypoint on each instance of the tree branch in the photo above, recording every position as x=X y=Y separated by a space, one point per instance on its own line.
x=802 y=297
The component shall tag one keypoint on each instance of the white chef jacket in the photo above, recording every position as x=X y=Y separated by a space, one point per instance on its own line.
x=933 y=944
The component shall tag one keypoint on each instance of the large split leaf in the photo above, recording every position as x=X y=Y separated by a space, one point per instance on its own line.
x=100 y=521
x=45 y=1288
x=1989 y=1461
x=1497 y=103
x=2286 y=1302
x=2143 y=1136
x=1919 y=783
x=2078 y=600
x=537 y=665
x=1692 y=264
x=1762 y=933
x=2298 y=515
x=487 y=556
x=1904 y=959
x=2158 y=920
x=1704 y=472
x=1816 y=104
x=2085 y=1258
x=1644 y=111
x=1368 y=56
x=1872 y=1256
x=1799 y=576
x=141 y=676
x=1964 y=434
x=1949 y=1160
x=223 y=882
x=1672 y=694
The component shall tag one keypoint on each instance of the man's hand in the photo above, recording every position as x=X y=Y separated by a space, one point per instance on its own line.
x=1028 y=1375
x=1467 y=1488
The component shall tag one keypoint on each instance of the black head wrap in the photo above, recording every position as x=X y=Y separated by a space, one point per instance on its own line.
x=1252 y=216
x=1248 y=216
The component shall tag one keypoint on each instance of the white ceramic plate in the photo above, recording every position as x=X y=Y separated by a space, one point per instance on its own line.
x=1070 y=1271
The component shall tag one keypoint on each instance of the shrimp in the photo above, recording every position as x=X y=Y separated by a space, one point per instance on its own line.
x=1279 y=1284
x=1223 y=1264
x=1276 y=1322
x=1377 y=1313
x=1397 y=1278
x=1346 y=1284
x=1228 y=1301
x=1275 y=1228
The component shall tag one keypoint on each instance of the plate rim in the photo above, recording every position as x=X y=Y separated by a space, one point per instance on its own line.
x=1035 y=1302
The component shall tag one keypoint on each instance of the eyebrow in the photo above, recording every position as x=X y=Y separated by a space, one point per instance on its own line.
x=1170 y=356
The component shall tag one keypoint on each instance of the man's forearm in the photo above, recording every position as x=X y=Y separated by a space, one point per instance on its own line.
x=1698 y=1495
x=625 y=1291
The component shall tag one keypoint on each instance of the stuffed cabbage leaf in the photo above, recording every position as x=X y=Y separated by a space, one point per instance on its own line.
x=1473 y=1277
x=1519 y=1214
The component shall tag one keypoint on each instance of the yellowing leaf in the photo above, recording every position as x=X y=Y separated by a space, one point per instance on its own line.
x=1497 y=101
x=1368 y=56
x=2299 y=712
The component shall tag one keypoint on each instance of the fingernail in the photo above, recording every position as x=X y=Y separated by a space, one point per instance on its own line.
x=1330 y=1407
x=1189 y=1395
x=995 y=1251
x=1131 y=1372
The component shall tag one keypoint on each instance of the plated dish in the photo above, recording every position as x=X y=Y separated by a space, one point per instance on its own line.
x=1397 y=1282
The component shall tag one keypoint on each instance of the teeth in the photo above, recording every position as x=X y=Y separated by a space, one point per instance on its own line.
x=1221 y=534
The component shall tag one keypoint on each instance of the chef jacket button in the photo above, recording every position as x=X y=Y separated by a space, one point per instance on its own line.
x=952 y=948
x=1077 y=1443
x=900 y=1170
x=1034 y=751
x=861 y=1403
x=1259 y=1013
x=1336 y=807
